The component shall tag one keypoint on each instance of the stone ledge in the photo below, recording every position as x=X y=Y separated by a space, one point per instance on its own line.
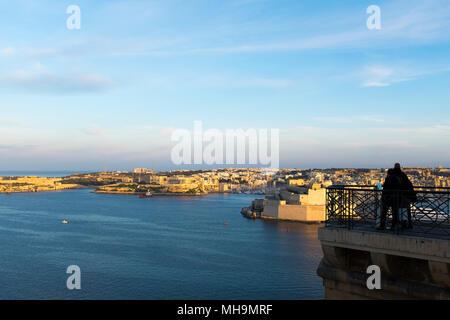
x=343 y=284
x=399 y=245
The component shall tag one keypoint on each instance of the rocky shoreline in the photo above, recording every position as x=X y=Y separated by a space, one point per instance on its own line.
x=255 y=210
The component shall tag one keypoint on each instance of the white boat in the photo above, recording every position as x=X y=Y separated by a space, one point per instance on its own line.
x=148 y=194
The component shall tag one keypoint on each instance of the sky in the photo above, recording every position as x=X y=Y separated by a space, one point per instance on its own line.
x=115 y=90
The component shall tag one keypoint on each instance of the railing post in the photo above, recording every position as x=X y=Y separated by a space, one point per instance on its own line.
x=349 y=206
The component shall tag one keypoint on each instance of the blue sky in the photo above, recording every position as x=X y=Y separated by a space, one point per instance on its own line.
x=341 y=95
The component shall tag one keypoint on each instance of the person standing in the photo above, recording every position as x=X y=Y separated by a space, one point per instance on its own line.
x=398 y=193
x=406 y=195
x=389 y=199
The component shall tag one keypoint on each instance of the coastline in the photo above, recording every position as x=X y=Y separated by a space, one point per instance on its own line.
x=165 y=194
x=41 y=191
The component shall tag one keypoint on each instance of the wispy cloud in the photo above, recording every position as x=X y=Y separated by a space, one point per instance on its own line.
x=384 y=76
x=378 y=76
x=368 y=146
x=93 y=130
x=216 y=81
x=404 y=23
x=238 y=3
x=41 y=79
x=11 y=122
x=375 y=84
x=352 y=119
x=264 y=83
x=442 y=130
x=7 y=51
x=412 y=23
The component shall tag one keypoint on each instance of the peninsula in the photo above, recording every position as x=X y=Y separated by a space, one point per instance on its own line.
x=230 y=180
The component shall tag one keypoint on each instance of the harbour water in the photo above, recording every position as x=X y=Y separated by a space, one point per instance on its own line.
x=155 y=248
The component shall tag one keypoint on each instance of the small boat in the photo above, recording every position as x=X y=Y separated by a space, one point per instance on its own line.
x=64 y=222
x=148 y=194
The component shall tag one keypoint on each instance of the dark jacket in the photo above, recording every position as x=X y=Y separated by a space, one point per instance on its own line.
x=393 y=181
x=398 y=188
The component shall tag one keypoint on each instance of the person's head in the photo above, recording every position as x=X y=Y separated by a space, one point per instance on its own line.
x=397 y=166
x=390 y=172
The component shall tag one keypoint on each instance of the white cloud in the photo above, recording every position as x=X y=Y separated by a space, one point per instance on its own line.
x=377 y=76
x=375 y=84
x=40 y=79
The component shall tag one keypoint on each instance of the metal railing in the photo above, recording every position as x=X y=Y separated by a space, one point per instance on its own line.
x=427 y=209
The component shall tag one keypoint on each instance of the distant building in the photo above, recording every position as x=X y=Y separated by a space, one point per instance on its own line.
x=297 y=182
x=142 y=170
x=306 y=207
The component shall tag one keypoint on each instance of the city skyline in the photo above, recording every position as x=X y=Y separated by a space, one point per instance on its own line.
x=115 y=90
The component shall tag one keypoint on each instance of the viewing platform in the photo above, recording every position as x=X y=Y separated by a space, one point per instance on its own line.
x=414 y=263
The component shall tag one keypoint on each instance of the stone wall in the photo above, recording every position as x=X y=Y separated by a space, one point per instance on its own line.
x=276 y=209
x=411 y=267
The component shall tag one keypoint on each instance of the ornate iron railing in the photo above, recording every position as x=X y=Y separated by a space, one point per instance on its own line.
x=362 y=207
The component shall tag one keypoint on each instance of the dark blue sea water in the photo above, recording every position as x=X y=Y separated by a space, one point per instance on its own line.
x=157 y=248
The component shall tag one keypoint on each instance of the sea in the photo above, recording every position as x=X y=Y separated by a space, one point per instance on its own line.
x=153 y=248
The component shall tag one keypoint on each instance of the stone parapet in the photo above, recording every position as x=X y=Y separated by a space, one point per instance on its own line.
x=412 y=267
